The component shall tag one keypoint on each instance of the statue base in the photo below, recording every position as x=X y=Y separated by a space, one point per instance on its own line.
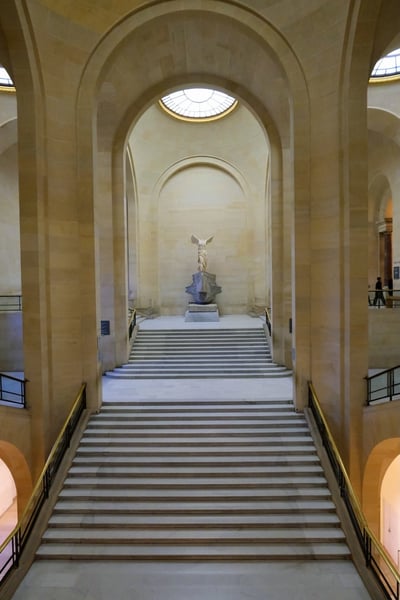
x=203 y=288
x=202 y=313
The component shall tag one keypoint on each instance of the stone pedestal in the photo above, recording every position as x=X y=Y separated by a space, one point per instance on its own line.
x=202 y=313
x=203 y=288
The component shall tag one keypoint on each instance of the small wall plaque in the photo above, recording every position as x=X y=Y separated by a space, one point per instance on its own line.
x=105 y=327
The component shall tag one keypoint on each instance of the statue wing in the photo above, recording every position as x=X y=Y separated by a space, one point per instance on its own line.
x=210 y=239
x=195 y=240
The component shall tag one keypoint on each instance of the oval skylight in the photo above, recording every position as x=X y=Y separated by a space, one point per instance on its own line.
x=387 y=66
x=5 y=79
x=198 y=104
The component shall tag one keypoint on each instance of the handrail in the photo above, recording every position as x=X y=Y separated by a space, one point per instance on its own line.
x=10 y=396
x=389 y=382
x=131 y=323
x=376 y=557
x=17 y=539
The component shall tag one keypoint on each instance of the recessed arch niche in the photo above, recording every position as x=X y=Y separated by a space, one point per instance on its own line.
x=197 y=179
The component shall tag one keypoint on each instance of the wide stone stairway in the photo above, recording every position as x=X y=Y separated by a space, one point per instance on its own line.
x=207 y=480
x=191 y=488
x=193 y=353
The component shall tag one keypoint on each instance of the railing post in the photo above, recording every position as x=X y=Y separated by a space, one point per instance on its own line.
x=46 y=483
x=68 y=434
x=16 y=548
x=391 y=384
x=367 y=549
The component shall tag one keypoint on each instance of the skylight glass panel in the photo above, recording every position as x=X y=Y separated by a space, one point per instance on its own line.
x=198 y=103
x=387 y=66
x=5 y=79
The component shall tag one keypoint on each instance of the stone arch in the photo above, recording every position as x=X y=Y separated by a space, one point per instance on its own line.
x=9 y=134
x=10 y=261
x=383 y=193
x=111 y=70
x=208 y=211
x=194 y=160
x=379 y=459
x=23 y=65
x=16 y=463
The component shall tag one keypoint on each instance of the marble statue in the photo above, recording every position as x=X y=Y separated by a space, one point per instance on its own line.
x=203 y=288
x=201 y=251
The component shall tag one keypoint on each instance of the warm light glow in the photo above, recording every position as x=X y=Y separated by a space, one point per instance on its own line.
x=390 y=510
x=8 y=503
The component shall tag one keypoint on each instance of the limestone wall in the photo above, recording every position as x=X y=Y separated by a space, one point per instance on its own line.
x=383 y=334
x=11 y=349
x=204 y=179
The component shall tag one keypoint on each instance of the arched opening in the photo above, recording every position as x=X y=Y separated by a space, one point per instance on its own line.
x=380 y=458
x=8 y=502
x=197 y=179
x=390 y=510
x=121 y=102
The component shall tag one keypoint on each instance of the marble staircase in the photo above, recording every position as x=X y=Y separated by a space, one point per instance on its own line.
x=184 y=480
x=194 y=353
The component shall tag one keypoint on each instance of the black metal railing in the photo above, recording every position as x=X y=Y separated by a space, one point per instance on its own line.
x=10 y=303
x=384 y=386
x=268 y=321
x=12 y=390
x=376 y=558
x=12 y=547
x=131 y=323
x=386 y=297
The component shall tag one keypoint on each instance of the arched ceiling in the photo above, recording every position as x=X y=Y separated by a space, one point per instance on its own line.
x=8 y=134
x=198 y=48
x=385 y=123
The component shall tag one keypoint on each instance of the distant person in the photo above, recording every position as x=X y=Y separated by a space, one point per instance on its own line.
x=379 y=297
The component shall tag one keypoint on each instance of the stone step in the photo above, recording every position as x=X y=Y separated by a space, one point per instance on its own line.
x=89 y=441
x=274 y=416
x=221 y=551
x=196 y=353
x=81 y=467
x=197 y=536
x=103 y=428
x=193 y=375
x=220 y=341
x=203 y=522
x=165 y=360
x=195 y=507
x=216 y=452
x=195 y=427
x=203 y=356
x=194 y=461
x=191 y=495
x=200 y=483
x=213 y=366
x=178 y=404
x=195 y=498
x=203 y=333
x=201 y=413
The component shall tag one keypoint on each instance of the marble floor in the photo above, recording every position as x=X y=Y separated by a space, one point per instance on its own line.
x=161 y=580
